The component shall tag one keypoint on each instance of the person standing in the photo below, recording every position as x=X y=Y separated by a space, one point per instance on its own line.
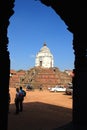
x=17 y=101
x=21 y=99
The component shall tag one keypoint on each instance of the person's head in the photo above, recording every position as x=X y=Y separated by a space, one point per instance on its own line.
x=20 y=87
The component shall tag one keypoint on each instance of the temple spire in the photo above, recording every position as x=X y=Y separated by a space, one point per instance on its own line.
x=44 y=44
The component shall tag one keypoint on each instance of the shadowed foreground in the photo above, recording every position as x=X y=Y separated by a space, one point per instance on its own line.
x=42 y=111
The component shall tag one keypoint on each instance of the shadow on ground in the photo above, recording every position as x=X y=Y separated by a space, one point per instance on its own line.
x=39 y=116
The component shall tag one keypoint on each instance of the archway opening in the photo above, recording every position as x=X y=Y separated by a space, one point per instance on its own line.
x=31 y=25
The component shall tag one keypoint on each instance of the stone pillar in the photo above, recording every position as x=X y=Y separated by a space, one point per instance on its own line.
x=80 y=79
x=5 y=13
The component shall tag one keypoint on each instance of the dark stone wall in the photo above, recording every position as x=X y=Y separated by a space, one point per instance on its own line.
x=73 y=13
x=5 y=13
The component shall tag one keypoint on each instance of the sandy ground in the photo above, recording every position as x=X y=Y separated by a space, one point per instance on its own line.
x=43 y=110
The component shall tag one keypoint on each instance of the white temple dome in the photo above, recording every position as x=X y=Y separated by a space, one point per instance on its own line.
x=45 y=49
x=44 y=57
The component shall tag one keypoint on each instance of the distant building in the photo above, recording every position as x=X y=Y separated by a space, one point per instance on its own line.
x=43 y=74
x=44 y=58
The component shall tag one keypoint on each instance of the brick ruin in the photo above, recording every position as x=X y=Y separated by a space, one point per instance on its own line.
x=37 y=76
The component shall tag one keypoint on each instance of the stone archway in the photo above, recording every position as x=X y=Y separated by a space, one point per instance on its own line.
x=74 y=14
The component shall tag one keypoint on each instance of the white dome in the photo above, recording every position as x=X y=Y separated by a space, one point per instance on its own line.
x=44 y=57
x=44 y=49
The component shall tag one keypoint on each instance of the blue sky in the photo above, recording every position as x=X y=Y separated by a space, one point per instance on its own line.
x=33 y=24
